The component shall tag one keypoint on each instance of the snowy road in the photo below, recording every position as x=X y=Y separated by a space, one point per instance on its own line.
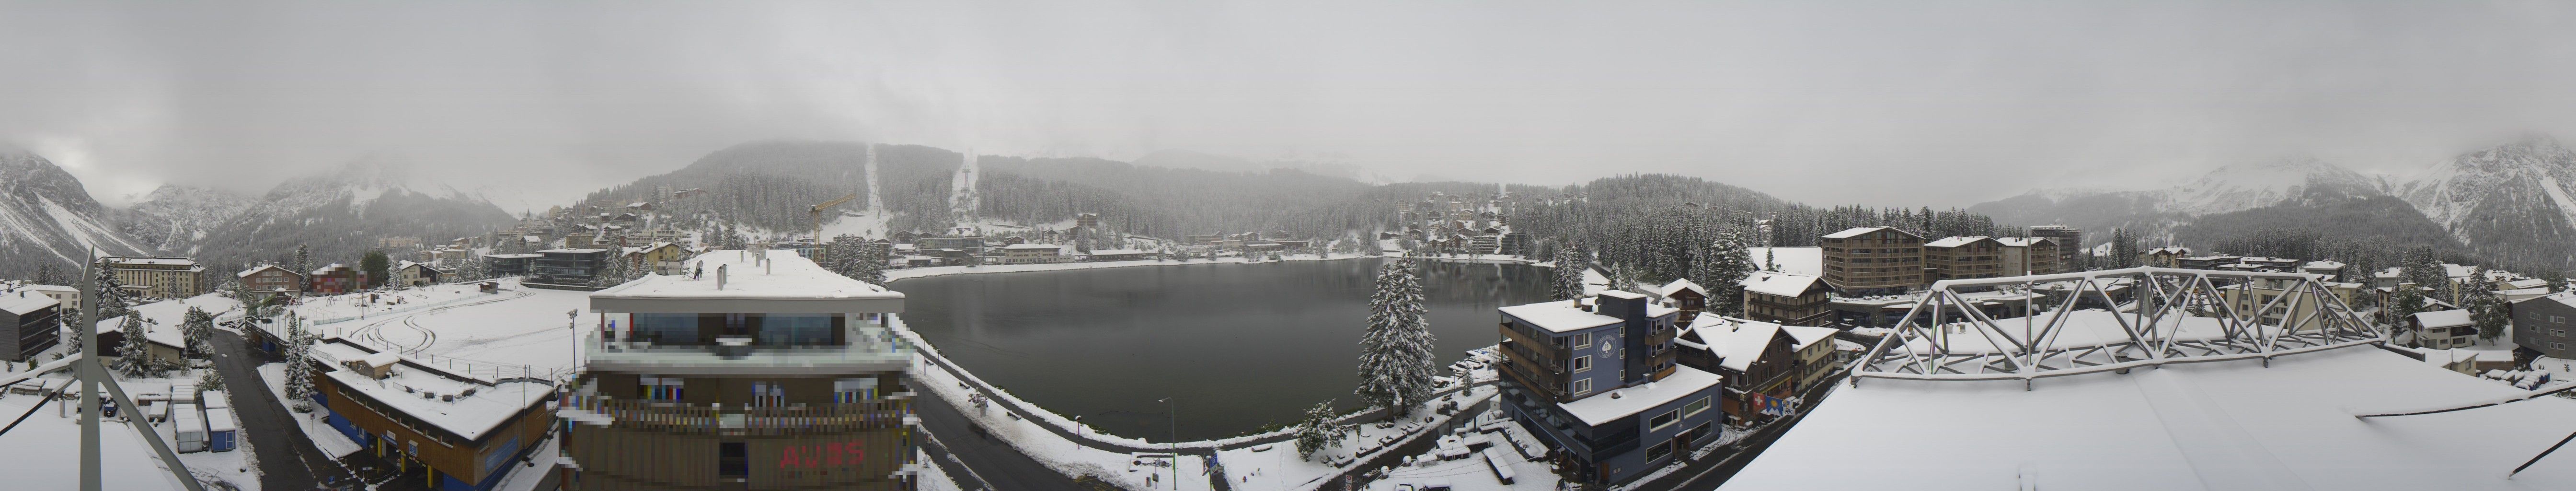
x=287 y=460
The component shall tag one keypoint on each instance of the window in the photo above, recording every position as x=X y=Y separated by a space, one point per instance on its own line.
x=1665 y=420
x=1694 y=408
x=1582 y=363
x=666 y=328
x=2557 y=320
x=1658 y=452
x=854 y=390
x=1583 y=386
x=663 y=388
x=1583 y=340
x=795 y=330
x=768 y=394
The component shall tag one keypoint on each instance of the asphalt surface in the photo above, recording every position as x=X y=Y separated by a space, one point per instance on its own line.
x=287 y=460
x=990 y=464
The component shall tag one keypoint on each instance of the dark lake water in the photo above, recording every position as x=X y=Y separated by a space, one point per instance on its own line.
x=1241 y=345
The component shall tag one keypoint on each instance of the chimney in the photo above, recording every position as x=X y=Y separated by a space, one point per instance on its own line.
x=720 y=276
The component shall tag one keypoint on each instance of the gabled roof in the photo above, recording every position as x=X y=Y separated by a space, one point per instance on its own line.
x=1781 y=284
x=1808 y=335
x=256 y=269
x=2443 y=318
x=1678 y=285
x=1736 y=342
x=1859 y=231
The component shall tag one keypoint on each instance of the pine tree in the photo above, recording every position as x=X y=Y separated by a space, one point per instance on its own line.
x=1729 y=264
x=2488 y=311
x=2425 y=270
x=1567 y=281
x=2409 y=301
x=869 y=264
x=303 y=262
x=134 y=358
x=616 y=270
x=196 y=330
x=377 y=267
x=47 y=274
x=113 y=301
x=1319 y=430
x=1395 y=354
x=2557 y=281
x=299 y=364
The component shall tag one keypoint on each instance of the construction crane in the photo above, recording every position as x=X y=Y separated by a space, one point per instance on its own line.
x=817 y=214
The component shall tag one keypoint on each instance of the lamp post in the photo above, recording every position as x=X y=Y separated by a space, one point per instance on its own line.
x=1172 y=408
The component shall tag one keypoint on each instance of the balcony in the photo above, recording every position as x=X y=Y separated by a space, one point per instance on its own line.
x=694 y=419
x=868 y=348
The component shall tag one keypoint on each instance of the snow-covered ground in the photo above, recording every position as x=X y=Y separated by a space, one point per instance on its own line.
x=42 y=452
x=517 y=329
x=333 y=309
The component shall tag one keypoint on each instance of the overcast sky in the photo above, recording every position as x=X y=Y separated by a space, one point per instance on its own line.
x=1893 y=103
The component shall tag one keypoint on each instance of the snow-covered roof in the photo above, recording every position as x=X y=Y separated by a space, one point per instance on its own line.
x=1118 y=252
x=2443 y=318
x=1558 y=316
x=1736 y=342
x=2023 y=241
x=1628 y=401
x=572 y=251
x=469 y=416
x=2203 y=426
x=328 y=267
x=167 y=315
x=2261 y=259
x=513 y=256
x=50 y=288
x=2169 y=250
x=1955 y=241
x=1623 y=294
x=782 y=283
x=2521 y=294
x=256 y=269
x=1808 y=335
x=1858 y=231
x=1678 y=285
x=25 y=303
x=2526 y=283
x=2322 y=265
x=1781 y=284
x=1808 y=261
x=155 y=261
x=1031 y=246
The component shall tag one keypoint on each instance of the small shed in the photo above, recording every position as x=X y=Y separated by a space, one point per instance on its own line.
x=221 y=430
x=188 y=428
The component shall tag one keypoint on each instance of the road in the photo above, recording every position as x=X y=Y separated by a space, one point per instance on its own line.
x=287 y=460
x=994 y=464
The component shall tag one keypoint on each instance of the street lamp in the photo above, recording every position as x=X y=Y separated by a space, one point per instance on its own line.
x=1172 y=410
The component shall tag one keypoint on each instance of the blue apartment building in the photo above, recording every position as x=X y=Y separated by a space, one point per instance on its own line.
x=1595 y=380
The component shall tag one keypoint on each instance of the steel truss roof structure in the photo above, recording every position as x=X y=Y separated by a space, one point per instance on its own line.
x=1946 y=337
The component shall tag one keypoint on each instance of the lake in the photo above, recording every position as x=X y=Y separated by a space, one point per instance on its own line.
x=1241 y=345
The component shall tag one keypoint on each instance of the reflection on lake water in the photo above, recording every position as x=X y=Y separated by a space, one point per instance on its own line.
x=1241 y=344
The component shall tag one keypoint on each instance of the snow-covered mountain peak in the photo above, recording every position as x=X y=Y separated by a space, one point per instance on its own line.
x=2259 y=184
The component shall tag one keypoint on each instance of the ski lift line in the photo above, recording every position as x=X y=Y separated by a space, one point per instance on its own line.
x=2524 y=397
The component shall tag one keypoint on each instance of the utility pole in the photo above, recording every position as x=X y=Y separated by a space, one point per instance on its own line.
x=1173 y=408
x=92 y=376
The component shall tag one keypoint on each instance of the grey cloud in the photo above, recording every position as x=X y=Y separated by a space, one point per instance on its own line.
x=1888 y=103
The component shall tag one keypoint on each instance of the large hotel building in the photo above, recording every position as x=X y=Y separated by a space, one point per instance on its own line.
x=767 y=372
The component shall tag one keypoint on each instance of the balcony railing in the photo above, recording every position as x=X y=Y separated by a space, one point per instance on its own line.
x=739 y=420
x=865 y=346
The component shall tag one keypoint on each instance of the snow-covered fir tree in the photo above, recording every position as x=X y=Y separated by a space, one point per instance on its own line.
x=113 y=300
x=299 y=364
x=2424 y=268
x=134 y=357
x=1395 y=354
x=304 y=262
x=197 y=329
x=2490 y=313
x=1319 y=430
x=616 y=270
x=1727 y=262
x=2407 y=302
x=1566 y=282
x=868 y=264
